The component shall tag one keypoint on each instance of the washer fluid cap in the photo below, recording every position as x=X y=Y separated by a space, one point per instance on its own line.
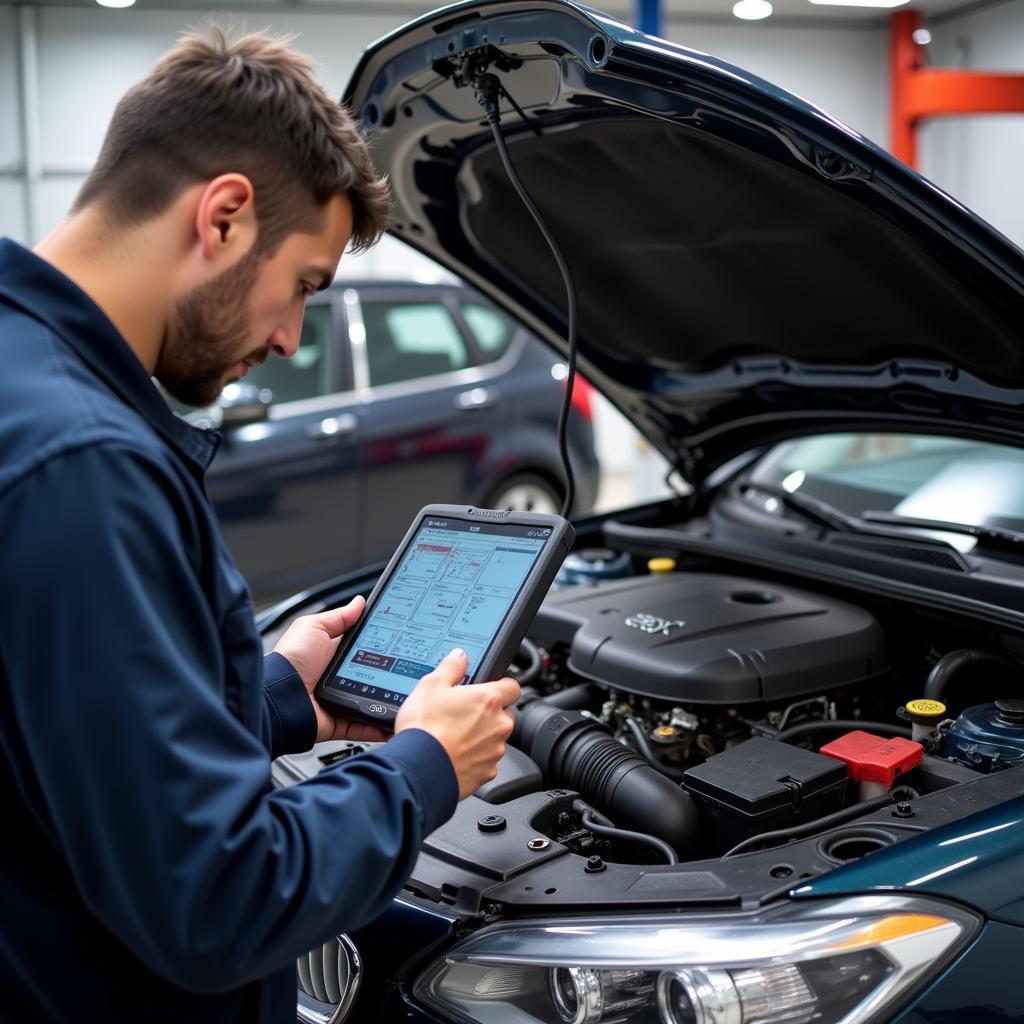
x=925 y=711
x=661 y=564
x=871 y=758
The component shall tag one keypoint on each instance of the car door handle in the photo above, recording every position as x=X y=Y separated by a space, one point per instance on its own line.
x=475 y=398
x=332 y=427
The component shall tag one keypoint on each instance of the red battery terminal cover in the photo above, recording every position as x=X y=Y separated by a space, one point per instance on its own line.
x=877 y=759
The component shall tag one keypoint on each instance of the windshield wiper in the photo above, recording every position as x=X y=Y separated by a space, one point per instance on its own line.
x=823 y=514
x=999 y=537
x=813 y=509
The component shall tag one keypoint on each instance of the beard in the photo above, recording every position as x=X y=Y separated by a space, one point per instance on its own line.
x=202 y=338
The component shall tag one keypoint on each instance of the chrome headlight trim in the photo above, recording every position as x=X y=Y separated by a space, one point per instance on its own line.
x=912 y=937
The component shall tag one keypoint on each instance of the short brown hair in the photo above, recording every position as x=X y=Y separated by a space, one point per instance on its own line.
x=251 y=105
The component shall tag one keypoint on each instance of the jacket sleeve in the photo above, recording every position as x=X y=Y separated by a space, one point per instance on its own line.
x=158 y=798
x=289 y=724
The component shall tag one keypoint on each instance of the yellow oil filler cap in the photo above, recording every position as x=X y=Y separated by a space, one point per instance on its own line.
x=925 y=709
x=661 y=564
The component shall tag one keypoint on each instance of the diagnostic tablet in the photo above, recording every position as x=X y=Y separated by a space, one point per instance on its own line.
x=462 y=577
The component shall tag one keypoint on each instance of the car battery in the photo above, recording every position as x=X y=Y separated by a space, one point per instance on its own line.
x=874 y=762
x=762 y=785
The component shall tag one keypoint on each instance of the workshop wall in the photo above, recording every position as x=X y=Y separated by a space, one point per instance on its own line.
x=12 y=189
x=843 y=70
x=980 y=159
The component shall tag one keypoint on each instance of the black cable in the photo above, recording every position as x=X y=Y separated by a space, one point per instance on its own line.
x=529 y=122
x=818 y=825
x=840 y=725
x=646 y=751
x=589 y=819
x=487 y=90
x=529 y=673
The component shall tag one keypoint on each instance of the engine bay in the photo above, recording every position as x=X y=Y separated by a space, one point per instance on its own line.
x=691 y=733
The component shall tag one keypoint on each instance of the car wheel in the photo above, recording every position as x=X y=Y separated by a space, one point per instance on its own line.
x=527 y=492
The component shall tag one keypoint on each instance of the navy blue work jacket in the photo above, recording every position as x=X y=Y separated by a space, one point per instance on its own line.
x=147 y=868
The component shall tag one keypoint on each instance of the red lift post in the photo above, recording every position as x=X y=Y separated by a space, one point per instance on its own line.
x=919 y=92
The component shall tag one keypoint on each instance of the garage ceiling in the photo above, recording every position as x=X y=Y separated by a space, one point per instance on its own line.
x=717 y=11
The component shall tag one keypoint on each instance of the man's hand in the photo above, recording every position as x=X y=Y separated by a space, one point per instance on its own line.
x=470 y=722
x=308 y=643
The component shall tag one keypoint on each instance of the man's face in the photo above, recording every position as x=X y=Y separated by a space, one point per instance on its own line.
x=250 y=311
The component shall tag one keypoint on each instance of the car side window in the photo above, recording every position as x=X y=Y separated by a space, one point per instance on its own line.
x=493 y=330
x=308 y=373
x=409 y=340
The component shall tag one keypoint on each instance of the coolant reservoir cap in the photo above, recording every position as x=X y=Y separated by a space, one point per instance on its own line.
x=925 y=711
x=661 y=564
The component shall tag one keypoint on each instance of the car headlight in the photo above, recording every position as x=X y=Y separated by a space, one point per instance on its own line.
x=842 y=962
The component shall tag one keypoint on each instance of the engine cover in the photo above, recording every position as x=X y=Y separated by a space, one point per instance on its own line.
x=709 y=639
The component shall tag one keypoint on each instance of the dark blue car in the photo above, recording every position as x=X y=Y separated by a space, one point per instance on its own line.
x=776 y=775
x=399 y=392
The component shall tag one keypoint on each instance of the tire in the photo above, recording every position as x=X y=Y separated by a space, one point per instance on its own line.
x=527 y=492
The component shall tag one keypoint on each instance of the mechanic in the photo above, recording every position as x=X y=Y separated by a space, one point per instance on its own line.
x=149 y=868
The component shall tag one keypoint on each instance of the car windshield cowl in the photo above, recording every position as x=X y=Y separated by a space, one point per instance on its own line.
x=987 y=536
x=889 y=525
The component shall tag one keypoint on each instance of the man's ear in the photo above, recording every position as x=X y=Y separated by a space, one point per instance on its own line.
x=226 y=219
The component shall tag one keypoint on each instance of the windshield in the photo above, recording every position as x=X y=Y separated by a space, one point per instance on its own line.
x=941 y=478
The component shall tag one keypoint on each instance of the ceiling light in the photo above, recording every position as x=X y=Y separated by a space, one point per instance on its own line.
x=752 y=10
x=115 y=3
x=861 y=3
x=921 y=36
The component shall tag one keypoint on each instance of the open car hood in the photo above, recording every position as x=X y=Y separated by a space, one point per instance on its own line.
x=747 y=267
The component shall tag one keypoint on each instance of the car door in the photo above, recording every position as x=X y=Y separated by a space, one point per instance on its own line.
x=286 y=489
x=430 y=413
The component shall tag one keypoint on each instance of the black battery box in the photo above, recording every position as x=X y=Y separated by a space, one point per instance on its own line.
x=762 y=785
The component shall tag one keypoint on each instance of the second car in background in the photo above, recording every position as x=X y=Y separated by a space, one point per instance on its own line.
x=400 y=394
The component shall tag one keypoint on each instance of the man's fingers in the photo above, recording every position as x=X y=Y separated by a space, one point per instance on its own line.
x=507 y=689
x=451 y=670
x=340 y=620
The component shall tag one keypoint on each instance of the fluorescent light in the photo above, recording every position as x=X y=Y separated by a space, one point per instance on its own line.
x=861 y=3
x=115 y=3
x=752 y=10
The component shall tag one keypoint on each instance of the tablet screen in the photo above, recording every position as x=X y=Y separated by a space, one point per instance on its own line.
x=453 y=588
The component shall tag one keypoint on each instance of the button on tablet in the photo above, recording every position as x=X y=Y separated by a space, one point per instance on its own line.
x=376 y=709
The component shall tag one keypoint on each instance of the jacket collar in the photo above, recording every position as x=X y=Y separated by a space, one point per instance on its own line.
x=42 y=291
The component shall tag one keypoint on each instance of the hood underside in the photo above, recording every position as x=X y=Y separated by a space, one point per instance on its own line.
x=747 y=268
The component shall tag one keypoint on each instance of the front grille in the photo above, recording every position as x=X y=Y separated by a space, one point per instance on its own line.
x=328 y=981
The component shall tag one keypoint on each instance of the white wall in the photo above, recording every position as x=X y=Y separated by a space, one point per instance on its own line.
x=12 y=191
x=980 y=159
x=842 y=70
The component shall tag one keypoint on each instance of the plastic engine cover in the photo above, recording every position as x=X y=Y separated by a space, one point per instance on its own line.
x=711 y=639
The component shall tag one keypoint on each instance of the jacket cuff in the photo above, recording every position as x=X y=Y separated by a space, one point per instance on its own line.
x=428 y=769
x=292 y=718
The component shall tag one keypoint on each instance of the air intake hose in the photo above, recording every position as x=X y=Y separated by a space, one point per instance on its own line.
x=579 y=753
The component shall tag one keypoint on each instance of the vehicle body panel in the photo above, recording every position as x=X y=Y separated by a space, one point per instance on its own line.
x=976 y=861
